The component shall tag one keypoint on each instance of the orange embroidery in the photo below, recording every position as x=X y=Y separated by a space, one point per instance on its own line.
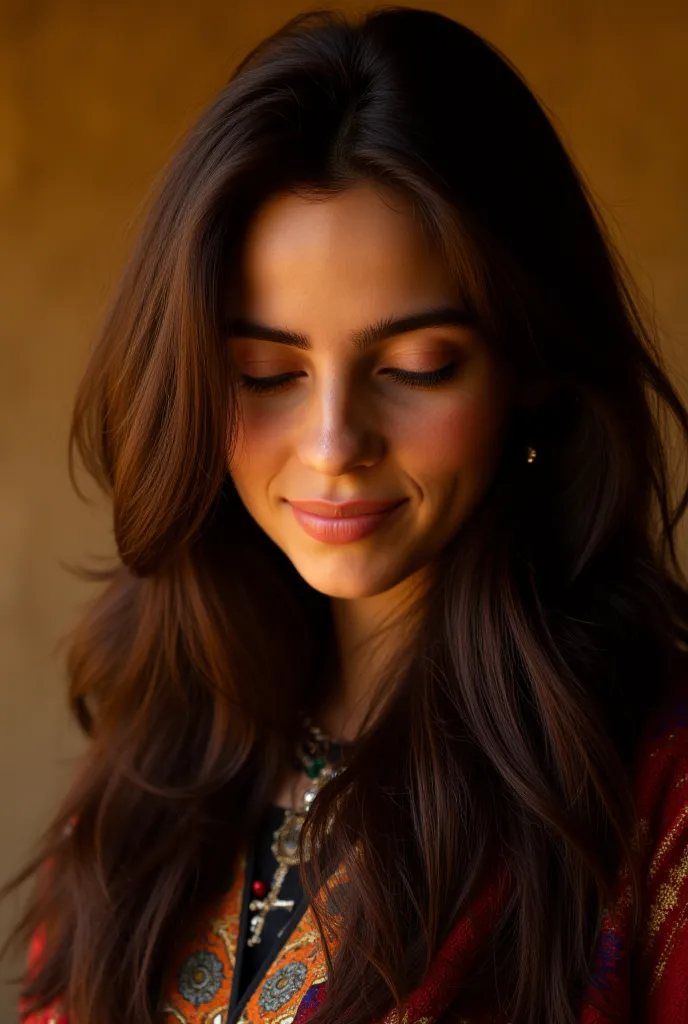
x=199 y=983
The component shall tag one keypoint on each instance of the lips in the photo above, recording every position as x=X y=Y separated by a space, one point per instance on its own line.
x=344 y=522
x=344 y=509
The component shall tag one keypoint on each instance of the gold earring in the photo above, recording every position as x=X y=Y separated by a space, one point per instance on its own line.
x=531 y=455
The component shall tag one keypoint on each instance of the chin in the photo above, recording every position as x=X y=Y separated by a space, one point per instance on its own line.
x=347 y=583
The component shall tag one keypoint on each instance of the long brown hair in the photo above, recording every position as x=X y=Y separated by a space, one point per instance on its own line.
x=556 y=617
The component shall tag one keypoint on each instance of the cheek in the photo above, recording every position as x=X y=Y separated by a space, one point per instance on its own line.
x=259 y=437
x=456 y=436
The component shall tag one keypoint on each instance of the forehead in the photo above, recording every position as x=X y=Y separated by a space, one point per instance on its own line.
x=360 y=252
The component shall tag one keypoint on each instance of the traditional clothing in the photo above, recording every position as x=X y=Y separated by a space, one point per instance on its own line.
x=643 y=984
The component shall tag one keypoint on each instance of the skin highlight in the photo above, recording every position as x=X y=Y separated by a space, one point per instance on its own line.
x=341 y=427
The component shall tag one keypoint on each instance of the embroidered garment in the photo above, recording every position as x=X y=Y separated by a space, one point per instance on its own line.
x=646 y=984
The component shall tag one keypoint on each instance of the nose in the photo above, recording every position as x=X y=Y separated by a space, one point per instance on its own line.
x=339 y=433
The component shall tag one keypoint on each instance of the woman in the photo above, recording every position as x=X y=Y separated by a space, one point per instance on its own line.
x=387 y=694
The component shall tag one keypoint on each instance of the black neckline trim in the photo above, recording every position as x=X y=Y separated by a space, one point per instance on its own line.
x=236 y=1008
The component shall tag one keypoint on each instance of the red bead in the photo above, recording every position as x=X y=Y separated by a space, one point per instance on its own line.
x=259 y=889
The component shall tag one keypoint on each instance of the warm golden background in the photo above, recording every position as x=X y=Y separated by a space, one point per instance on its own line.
x=94 y=97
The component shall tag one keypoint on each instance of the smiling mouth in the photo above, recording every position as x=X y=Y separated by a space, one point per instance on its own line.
x=340 y=528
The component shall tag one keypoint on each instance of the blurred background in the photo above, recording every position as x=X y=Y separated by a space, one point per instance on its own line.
x=94 y=98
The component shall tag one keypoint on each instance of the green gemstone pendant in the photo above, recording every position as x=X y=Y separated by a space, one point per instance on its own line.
x=314 y=769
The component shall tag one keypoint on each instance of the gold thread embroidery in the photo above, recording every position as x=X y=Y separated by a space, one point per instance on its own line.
x=226 y=926
x=667 y=897
x=668 y=841
x=222 y=928
x=302 y=940
x=216 y=1015
x=174 y=1012
x=664 y=959
x=317 y=966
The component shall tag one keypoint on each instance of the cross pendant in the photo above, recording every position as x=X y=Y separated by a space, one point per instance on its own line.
x=258 y=920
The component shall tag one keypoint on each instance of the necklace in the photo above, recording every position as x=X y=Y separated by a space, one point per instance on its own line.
x=318 y=756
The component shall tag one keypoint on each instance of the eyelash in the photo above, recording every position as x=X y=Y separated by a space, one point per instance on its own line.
x=433 y=378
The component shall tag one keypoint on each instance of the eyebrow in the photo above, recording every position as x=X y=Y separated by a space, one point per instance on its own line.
x=363 y=338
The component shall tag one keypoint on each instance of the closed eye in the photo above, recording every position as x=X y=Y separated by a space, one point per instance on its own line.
x=431 y=378
x=427 y=379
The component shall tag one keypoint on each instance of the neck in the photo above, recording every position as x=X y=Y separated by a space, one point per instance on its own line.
x=369 y=632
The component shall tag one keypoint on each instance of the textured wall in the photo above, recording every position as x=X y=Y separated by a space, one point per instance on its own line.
x=93 y=99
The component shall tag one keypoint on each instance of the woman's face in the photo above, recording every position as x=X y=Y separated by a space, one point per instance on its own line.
x=341 y=427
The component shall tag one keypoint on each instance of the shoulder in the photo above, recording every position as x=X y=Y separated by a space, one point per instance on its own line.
x=661 y=765
x=661 y=788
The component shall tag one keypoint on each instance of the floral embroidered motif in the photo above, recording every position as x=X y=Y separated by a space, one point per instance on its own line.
x=279 y=989
x=200 y=977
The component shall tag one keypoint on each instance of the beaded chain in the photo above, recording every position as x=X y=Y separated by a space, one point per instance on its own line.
x=314 y=757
